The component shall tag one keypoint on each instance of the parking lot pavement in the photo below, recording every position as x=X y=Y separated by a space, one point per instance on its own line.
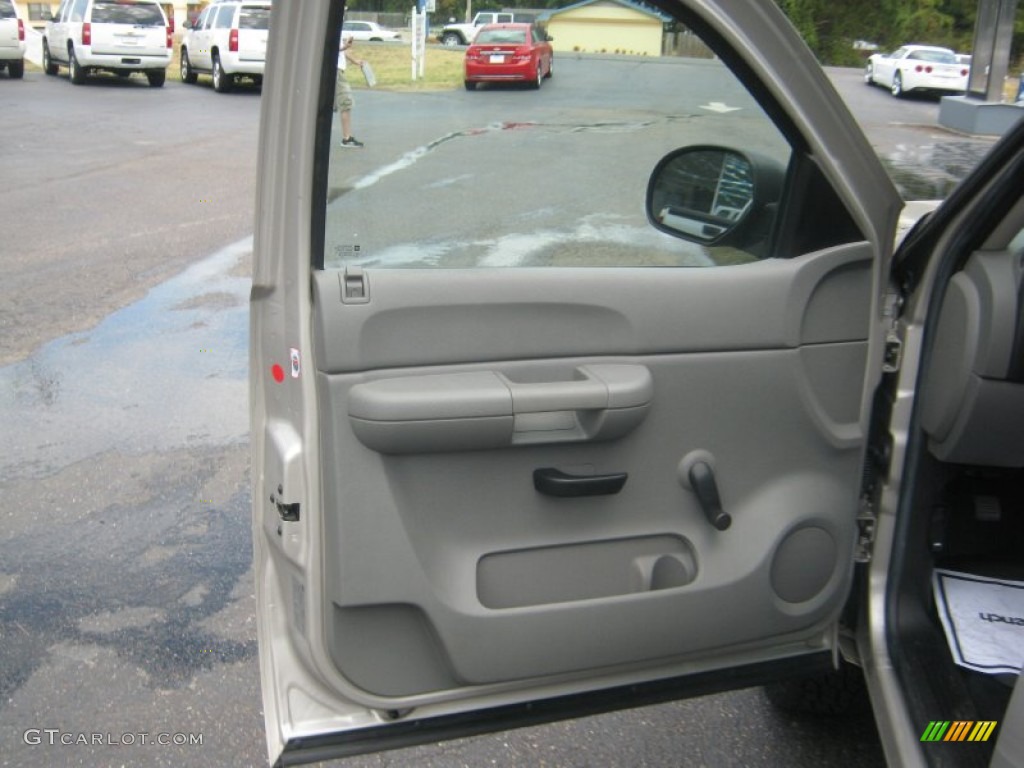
x=924 y=159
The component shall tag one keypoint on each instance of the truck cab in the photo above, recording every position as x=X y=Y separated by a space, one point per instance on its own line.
x=463 y=34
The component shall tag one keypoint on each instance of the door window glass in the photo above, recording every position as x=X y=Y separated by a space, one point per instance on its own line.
x=253 y=17
x=137 y=14
x=513 y=170
x=78 y=10
x=224 y=17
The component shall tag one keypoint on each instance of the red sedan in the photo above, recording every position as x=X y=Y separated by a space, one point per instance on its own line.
x=508 y=53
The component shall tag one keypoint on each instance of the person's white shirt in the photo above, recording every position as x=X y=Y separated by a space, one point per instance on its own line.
x=342 y=59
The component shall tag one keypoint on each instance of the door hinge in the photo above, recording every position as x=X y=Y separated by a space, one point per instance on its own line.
x=866 y=524
x=355 y=286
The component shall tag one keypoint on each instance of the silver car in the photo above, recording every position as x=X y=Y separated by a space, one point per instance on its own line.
x=608 y=402
x=368 y=31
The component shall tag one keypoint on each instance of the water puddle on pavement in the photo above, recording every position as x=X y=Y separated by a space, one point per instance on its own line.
x=166 y=371
x=929 y=171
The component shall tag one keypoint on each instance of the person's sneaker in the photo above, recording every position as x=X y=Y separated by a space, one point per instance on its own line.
x=351 y=143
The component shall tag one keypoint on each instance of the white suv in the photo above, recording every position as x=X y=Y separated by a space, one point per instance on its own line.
x=228 y=41
x=118 y=36
x=12 y=40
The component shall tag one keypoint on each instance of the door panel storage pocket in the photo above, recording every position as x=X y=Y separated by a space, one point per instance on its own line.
x=584 y=571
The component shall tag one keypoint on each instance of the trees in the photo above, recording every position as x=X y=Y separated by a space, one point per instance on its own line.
x=831 y=26
x=828 y=26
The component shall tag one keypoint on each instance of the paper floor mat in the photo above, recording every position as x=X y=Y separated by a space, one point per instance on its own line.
x=983 y=619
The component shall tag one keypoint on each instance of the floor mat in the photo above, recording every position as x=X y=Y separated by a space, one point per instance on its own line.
x=983 y=619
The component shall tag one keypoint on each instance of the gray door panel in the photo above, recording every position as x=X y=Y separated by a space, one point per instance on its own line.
x=447 y=568
x=488 y=394
x=424 y=317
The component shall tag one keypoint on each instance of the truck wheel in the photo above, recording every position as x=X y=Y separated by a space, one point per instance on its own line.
x=75 y=72
x=222 y=81
x=16 y=69
x=49 y=65
x=451 y=39
x=188 y=75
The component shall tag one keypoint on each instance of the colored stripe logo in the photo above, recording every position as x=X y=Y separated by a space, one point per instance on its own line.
x=959 y=730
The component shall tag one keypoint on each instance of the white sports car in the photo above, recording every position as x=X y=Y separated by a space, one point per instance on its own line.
x=921 y=68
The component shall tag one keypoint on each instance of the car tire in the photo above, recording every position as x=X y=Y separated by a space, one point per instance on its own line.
x=836 y=692
x=49 y=65
x=897 y=85
x=869 y=75
x=188 y=75
x=535 y=84
x=551 y=67
x=451 y=39
x=75 y=72
x=222 y=81
x=470 y=86
x=16 y=69
x=157 y=78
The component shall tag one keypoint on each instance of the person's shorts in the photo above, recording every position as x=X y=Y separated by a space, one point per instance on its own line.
x=342 y=93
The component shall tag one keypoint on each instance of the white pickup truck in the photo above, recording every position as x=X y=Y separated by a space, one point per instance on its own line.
x=463 y=34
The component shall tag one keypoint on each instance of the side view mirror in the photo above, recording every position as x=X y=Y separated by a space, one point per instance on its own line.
x=711 y=195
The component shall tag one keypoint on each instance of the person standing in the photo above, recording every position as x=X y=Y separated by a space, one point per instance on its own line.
x=343 y=95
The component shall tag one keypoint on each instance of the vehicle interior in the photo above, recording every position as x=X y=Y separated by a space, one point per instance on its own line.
x=963 y=509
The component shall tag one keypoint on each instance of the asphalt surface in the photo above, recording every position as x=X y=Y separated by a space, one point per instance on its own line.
x=126 y=609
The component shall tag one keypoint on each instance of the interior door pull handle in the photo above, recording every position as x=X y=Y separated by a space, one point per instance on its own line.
x=702 y=481
x=554 y=482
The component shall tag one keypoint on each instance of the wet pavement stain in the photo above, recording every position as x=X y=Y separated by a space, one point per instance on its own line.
x=89 y=581
x=929 y=170
x=125 y=527
x=84 y=393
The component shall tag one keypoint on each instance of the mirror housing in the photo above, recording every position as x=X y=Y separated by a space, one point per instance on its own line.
x=714 y=195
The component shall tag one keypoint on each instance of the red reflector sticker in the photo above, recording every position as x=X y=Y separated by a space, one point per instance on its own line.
x=277 y=372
